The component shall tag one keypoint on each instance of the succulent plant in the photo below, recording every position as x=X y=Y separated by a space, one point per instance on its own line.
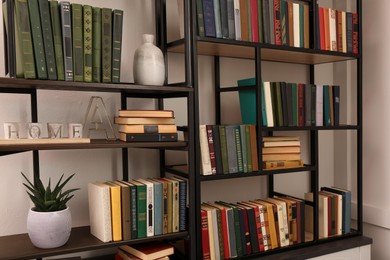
x=46 y=199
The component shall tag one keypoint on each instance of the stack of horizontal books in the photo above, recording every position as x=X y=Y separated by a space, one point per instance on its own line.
x=152 y=250
x=146 y=126
x=281 y=152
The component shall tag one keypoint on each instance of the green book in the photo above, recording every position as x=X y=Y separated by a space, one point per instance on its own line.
x=247 y=101
x=199 y=16
x=66 y=22
x=260 y=20
x=48 y=43
x=57 y=38
x=77 y=42
x=248 y=147
x=141 y=208
x=36 y=30
x=87 y=37
x=279 y=103
x=97 y=44
x=244 y=150
x=106 y=44
x=295 y=103
x=274 y=98
x=24 y=33
x=117 y=26
x=224 y=155
x=326 y=100
x=302 y=25
x=240 y=161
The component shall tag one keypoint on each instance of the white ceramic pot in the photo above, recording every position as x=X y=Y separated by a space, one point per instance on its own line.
x=49 y=229
x=148 y=63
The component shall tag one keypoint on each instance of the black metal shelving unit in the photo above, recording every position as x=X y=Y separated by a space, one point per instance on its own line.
x=193 y=46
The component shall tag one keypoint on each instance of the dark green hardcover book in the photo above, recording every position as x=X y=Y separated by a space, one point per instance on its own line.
x=295 y=103
x=302 y=25
x=24 y=31
x=106 y=44
x=248 y=147
x=36 y=31
x=326 y=100
x=66 y=22
x=217 y=149
x=9 y=36
x=141 y=208
x=260 y=20
x=133 y=211
x=57 y=38
x=243 y=148
x=87 y=39
x=97 y=45
x=224 y=154
x=117 y=28
x=199 y=16
x=231 y=145
x=237 y=136
x=283 y=91
x=237 y=230
x=77 y=42
x=279 y=104
x=274 y=103
x=266 y=22
x=48 y=39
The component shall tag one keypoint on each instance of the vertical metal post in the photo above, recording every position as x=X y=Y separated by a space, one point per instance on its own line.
x=34 y=118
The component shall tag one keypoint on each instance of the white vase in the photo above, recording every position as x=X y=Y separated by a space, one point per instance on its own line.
x=49 y=229
x=148 y=63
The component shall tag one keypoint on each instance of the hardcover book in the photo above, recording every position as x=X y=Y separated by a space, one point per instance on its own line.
x=77 y=42
x=87 y=40
x=67 y=39
x=57 y=38
x=97 y=44
x=148 y=137
x=150 y=250
x=117 y=27
x=106 y=44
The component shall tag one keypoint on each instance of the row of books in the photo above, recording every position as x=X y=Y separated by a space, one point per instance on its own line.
x=146 y=125
x=334 y=212
x=281 y=152
x=232 y=230
x=337 y=30
x=293 y=104
x=123 y=210
x=62 y=41
x=227 y=149
x=278 y=22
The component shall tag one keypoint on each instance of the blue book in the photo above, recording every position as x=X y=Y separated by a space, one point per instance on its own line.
x=158 y=200
x=209 y=18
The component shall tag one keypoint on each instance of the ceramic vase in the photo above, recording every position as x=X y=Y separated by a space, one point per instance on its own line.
x=49 y=229
x=148 y=64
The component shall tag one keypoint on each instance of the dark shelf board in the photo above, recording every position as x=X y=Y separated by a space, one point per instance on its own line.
x=95 y=144
x=318 y=128
x=12 y=85
x=20 y=246
x=246 y=50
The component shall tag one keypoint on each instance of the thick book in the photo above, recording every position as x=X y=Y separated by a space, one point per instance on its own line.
x=168 y=205
x=24 y=33
x=260 y=20
x=158 y=206
x=332 y=30
x=296 y=25
x=141 y=208
x=37 y=37
x=205 y=235
x=150 y=250
x=301 y=105
x=116 y=211
x=117 y=28
x=125 y=209
x=67 y=39
x=248 y=147
x=155 y=137
x=273 y=165
x=147 y=129
x=48 y=42
x=266 y=22
x=349 y=32
x=271 y=22
x=268 y=104
x=209 y=18
x=97 y=44
x=213 y=230
x=146 y=113
x=222 y=230
x=133 y=209
x=254 y=19
x=77 y=42
x=326 y=105
x=183 y=184
x=100 y=211
x=149 y=207
x=230 y=228
x=143 y=121
x=175 y=203
x=87 y=42
x=106 y=44
x=254 y=154
x=57 y=38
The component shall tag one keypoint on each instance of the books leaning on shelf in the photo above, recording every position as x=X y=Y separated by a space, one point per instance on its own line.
x=292 y=104
x=334 y=212
x=281 y=152
x=146 y=125
x=227 y=149
x=124 y=210
x=231 y=230
x=54 y=41
x=148 y=251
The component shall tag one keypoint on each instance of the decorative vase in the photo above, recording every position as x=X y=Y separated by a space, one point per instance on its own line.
x=148 y=64
x=49 y=229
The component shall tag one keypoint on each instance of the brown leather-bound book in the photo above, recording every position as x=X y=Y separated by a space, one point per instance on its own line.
x=339 y=30
x=290 y=24
x=244 y=20
x=326 y=29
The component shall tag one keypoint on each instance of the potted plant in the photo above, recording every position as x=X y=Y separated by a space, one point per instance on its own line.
x=49 y=222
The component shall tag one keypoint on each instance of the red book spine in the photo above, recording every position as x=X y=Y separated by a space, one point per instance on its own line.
x=355 y=33
x=225 y=233
x=301 y=105
x=210 y=140
x=247 y=235
x=258 y=228
x=254 y=20
x=205 y=235
x=278 y=38
x=322 y=27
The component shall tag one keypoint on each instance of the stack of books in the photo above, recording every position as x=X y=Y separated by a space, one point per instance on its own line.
x=281 y=152
x=148 y=251
x=146 y=125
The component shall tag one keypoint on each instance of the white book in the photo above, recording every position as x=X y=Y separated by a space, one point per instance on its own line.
x=282 y=221
x=204 y=151
x=268 y=104
x=149 y=207
x=319 y=105
x=344 y=30
x=332 y=30
x=237 y=19
x=100 y=211
x=296 y=25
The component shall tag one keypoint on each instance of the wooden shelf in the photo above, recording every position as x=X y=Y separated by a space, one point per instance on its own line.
x=11 y=85
x=20 y=246
x=246 y=50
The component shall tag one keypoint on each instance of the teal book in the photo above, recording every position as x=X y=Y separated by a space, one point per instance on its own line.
x=57 y=38
x=106 y=44
x=44 y=11
x=326 y=100
x=24 y=37
x=77 y=42
x=87 y=42
x=97 y=44
x=39 y=51
x=117 y=26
